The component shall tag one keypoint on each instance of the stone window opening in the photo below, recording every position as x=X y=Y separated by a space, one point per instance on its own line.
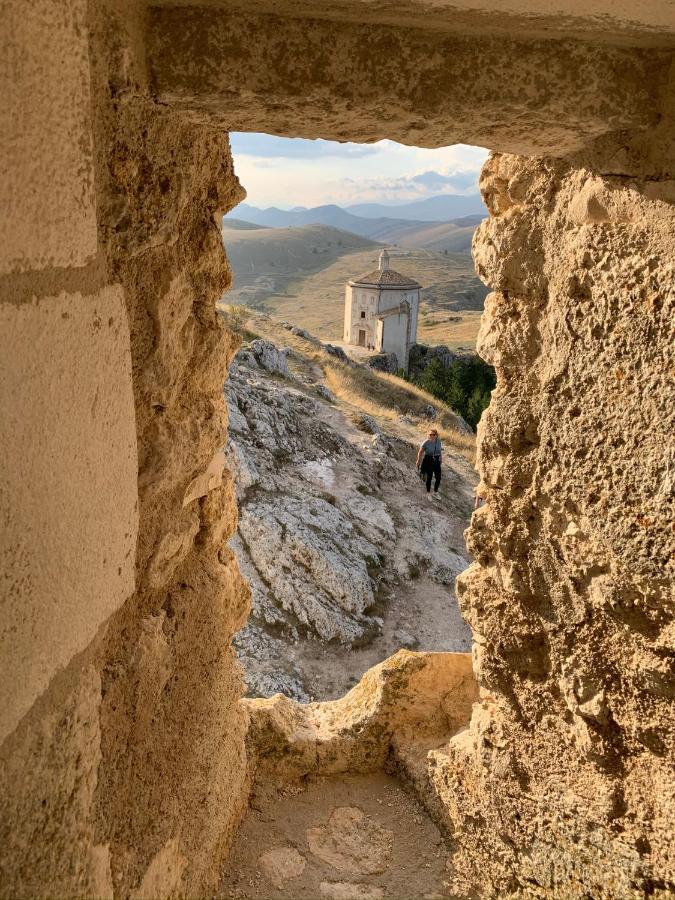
x=443 y=629
x=555 y=785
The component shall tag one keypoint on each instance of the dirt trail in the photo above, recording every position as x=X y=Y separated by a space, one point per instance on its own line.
x=343 y=838
x=420 y=541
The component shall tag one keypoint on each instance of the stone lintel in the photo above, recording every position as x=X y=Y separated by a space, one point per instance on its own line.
x=364 y=82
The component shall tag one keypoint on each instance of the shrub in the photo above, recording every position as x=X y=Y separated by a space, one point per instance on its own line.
x=235 y=317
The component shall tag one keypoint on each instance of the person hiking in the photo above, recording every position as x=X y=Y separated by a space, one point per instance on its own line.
x=429 y=458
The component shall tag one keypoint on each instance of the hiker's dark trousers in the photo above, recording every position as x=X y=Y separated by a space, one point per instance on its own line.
x=431 y=467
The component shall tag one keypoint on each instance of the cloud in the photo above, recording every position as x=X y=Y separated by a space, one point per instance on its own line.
x=437 y=182
x=401 y=188
x=290 y=172
x=262 y=146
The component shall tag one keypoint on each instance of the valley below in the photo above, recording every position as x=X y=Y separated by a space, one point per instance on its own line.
x=347 y=557
x=297 y=272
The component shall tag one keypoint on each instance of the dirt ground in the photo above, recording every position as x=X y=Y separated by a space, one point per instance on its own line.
x=343 y=838
x=423 y=609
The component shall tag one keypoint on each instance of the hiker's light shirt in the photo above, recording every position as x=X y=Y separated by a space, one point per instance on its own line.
x=432 y=447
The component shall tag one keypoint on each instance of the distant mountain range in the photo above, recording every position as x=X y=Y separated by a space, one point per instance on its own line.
x=434 y=209
x=453 y=234
x=331 y=215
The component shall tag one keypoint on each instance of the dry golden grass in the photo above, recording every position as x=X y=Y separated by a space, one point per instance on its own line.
x=452 y=329
x=316 y=301
x=376 y=393
x=388 y=397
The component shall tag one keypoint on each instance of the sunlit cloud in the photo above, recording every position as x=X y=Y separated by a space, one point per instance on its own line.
x=289 y=172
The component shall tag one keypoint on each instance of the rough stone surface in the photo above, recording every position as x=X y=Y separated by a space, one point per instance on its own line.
x=569 y=595
x=269 y=357
x=334 y=535
x=280 y=864
x=313 y=561
x=282 y=816
x=97 y=799
x=59 y=754
x=47 y=194
x=347 y=890
x=129 y=773
x=428 y=88
x=383 y=362
x=409 y=697
x=351 y=844
x=69 y=512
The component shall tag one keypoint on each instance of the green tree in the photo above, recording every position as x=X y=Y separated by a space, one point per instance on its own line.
x=465 y=386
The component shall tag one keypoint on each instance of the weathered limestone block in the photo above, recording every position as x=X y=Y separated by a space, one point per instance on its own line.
x=408 y=697
x=208 y=481
x=172 y=779
x=165 y=771
x=433 y=87
x=562 y=782
x=47 y=190
x=69 y=510
x=48 y=780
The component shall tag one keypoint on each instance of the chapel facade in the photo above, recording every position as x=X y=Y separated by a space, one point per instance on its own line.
x=381 y=310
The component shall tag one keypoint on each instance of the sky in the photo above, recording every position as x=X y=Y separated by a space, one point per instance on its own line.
x=288 y=172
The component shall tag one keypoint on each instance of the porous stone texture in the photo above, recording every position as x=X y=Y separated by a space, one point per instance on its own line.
x=564 y=782
x=171 y=730
x=134 y=785
x=128 y=773
x=380 y=81
x=69 y=512
x=408 y=698
x=47 y=194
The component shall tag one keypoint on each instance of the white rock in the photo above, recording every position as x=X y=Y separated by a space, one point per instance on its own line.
x=270 y=357
x=314 y=562
x=282 y=863
x=373 y=514
x=350 y=890
x=321 y=471
x=351 y=843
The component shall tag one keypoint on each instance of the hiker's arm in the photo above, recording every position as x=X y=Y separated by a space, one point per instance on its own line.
x=419 y=457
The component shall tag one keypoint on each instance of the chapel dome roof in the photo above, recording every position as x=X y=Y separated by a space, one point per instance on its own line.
x=383 y=276
x=387 y=278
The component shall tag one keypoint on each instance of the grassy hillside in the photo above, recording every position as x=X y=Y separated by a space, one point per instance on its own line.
x=264 y=260
x=361 y=388
x=438 y=236
x=299 y=274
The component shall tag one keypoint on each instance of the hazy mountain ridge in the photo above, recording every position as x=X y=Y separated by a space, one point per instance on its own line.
x=372 y=220
x=331 y=215
x=442 y=208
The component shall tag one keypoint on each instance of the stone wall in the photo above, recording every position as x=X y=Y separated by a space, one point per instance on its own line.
x=123 y=753
x=126 y=772
x=565 y=782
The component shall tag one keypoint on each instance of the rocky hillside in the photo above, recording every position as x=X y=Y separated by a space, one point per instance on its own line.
x=347 y=557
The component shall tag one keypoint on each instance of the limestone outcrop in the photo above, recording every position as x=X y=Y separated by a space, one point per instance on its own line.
x=335 y=533
x=409 y=698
